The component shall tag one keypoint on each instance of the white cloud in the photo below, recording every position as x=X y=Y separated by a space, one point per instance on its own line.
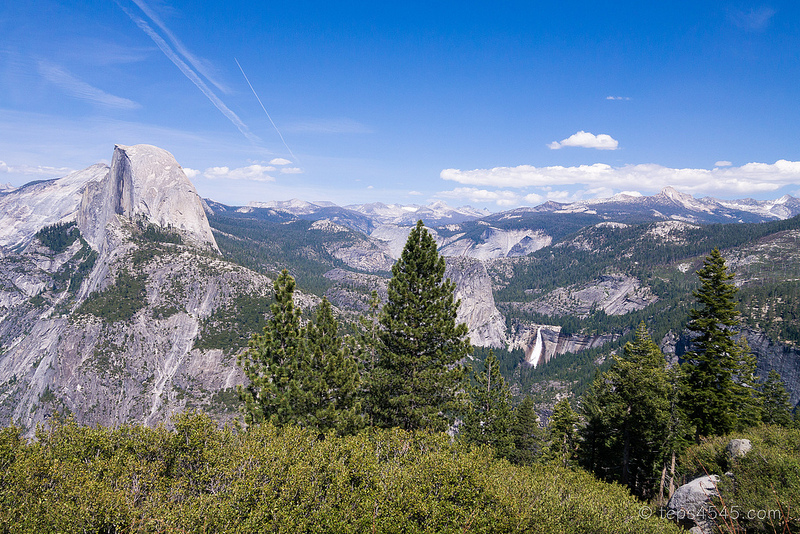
x=291 y=170
x=473 y=194
x=279 y=161
x=534 y=199
x=723 y=163
x=749 y=178
x=41 y=171
x=618 y=98
x=586 y=140
x=191 y=173
x=82 y=90
x=254 y=173
x=414 y=193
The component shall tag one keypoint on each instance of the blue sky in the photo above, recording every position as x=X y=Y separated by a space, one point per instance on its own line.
x=487 y=104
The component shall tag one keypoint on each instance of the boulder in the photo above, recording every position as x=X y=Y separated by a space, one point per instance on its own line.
x=691 y=504
x=737 y=448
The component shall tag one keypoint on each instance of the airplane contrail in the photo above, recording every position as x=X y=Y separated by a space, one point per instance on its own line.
x=265 y=111
x=199 y=64
x=192 y=75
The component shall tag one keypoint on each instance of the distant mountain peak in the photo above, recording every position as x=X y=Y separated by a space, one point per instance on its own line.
x=673 y=194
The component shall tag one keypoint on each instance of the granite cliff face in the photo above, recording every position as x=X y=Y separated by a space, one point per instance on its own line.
x=486 y=324
x=144 y=181
x=23 y=211
x=114 y=325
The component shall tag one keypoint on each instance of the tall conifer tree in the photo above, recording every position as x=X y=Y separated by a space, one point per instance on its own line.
x=273 y=361
x=303 y=376
x=330 y=377
x=629 y=406
x=562 y=434
x=417 y=380
x=719 y=393
x=775 y=400
x=528 y=437
x=490 y=419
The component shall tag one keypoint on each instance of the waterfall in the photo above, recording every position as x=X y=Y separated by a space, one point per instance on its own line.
x=537 y=349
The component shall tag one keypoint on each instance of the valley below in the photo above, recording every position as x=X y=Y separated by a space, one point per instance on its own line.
x=125 y=297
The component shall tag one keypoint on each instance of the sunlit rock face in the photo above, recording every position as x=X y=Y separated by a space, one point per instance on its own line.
x=27 y=209
x=144 y=181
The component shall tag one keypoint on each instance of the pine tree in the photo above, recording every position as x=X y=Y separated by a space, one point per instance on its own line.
x=490 y=418
x=719 y=393
x=528 y=438
x=330 y=378
x=775 y=400
x=299 y=375
x=417 y=380
x=273 y=362
x=628 y=416
x=562 y=434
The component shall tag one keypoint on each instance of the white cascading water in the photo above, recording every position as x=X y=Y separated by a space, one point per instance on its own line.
x=536 y=353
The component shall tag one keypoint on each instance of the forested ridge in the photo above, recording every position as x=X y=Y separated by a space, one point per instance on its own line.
x=344 y=425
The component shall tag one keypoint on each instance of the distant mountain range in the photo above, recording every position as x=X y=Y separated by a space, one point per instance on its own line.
x=135 y=305
x=668 y=204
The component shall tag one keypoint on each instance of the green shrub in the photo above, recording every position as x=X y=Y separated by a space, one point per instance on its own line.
x=765 y=481
x=198 y=478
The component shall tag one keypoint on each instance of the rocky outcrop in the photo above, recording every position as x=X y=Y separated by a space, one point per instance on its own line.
x=144 y=182
x=769 y=356
x=783 y=359
x=60 y=354
x=498 y=243
x=736 y=448
x=473 y=287
x=27 y=209
x=541 y=343
x=66 y=344
x=692 y=506
x=615 y=294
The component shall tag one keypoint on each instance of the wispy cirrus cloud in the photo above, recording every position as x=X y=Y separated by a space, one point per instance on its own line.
x=754 y=20
x=746 y=179
x=187 y=69
x=586 y=140
x=329 y=126
x=199 y=64
x=80 y=89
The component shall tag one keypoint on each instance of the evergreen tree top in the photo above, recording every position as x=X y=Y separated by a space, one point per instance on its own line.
x=418 y=379
x=716 y=295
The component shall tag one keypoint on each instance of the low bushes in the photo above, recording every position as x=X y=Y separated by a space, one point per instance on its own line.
x=198 y=478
